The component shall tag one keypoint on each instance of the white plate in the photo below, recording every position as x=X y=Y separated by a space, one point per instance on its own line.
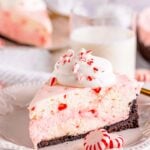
x=14 y=121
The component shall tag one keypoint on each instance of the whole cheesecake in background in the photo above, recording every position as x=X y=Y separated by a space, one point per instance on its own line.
x=25 y=22
x=82 y=94
x=144 y=33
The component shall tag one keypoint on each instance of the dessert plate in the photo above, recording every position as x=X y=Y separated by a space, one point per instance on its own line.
x=14 y=134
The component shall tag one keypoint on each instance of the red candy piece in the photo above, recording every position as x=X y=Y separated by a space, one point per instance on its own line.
x=97 y=140
x=95 y=69
x=89 y=78
x=62 y=106
x=116 y=141
x=97 y=90
x=53 y=81
x=93 y=111
x=33 y=108
x=90 y=62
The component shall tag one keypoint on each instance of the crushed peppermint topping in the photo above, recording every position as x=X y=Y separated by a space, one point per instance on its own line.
x=90 y=62
x=97 y=90
x=89 y=78
x=78 y=69
x=62 y=106
x=66 y=58
x=93 y=111
x=33 y=108
x=53 y=81
x=95 y=69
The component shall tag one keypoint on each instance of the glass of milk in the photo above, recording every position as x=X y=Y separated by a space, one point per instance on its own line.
x=107 y=29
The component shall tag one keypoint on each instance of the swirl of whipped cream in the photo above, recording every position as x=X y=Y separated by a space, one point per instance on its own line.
x=83 y=70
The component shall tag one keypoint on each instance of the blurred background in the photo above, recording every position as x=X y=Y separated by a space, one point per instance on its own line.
x=33 y=34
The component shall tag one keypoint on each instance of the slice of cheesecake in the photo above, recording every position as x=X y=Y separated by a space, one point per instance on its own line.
x=78 y=99
x=26 y=22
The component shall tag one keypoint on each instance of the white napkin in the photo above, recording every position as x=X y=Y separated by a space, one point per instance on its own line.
x=24 y=64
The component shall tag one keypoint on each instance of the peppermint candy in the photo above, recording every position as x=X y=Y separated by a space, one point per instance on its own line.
x=97 y=140
x=100 y=139
x=116 y=141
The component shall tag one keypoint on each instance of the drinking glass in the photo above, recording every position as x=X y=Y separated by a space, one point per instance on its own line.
x=108 y=29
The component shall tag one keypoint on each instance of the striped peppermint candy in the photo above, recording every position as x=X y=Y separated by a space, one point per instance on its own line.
x=98 y=139
x=116 y=141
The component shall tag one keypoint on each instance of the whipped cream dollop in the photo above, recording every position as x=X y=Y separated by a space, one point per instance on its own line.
x=83 y=70
x=28 y=5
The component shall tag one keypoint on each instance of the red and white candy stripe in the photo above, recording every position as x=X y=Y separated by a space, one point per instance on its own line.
x=53 y=81
x=97 y=140
x=116 y=141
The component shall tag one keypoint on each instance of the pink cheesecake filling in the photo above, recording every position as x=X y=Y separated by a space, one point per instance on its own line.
x=26 y=27
x=58 y=110
x=144 y=27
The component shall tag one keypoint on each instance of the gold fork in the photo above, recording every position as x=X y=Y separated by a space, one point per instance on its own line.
x=145 y=91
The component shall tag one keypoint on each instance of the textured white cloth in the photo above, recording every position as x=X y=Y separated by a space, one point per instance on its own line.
x=24 y=64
